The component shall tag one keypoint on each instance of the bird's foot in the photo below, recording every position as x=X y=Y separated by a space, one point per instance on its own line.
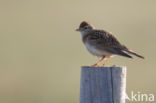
x=96 y=64
x=103 y=64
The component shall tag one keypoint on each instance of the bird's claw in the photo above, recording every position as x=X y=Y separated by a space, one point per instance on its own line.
x=95 y=64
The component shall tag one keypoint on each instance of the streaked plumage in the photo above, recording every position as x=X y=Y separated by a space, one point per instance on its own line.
x=102 y=43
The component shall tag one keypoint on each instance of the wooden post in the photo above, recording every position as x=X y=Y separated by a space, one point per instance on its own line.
x=103 y=84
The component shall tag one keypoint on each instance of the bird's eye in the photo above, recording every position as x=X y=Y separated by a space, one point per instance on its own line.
x=85 y=27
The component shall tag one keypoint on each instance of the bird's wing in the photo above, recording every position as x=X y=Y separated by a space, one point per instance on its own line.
x=106 y=41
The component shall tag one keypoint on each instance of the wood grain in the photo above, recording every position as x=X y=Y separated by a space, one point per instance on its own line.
x=102 y=84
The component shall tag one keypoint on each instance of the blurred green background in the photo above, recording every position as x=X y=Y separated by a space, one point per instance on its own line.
x=41 y=54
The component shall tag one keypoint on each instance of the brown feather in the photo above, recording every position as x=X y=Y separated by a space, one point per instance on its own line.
x=83 y=24
x=108 y=42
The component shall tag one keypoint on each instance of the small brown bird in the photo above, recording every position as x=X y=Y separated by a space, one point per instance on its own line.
x=102 y=43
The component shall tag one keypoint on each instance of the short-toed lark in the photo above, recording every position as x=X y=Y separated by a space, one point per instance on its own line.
x=102 y=43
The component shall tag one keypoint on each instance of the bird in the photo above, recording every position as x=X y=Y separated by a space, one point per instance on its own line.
x=103 y=44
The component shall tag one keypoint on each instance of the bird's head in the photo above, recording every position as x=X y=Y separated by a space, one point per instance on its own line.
x=84 y=27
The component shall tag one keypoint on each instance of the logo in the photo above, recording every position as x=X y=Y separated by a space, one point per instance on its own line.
x=140 y=97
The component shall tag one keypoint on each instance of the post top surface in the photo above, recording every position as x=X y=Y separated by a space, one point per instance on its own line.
x=113 y=66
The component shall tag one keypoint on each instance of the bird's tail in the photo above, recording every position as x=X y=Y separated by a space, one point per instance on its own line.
x=131 y=52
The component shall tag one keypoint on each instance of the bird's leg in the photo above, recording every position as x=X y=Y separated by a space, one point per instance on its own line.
x=96 y=64
x=106 y=60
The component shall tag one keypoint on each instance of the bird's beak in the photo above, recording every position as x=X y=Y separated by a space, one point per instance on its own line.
x=78 y=29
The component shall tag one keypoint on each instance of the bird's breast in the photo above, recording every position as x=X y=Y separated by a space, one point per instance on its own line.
x=96 y=51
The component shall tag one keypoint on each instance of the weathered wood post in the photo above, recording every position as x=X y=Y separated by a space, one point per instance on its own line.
x=103 y=84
